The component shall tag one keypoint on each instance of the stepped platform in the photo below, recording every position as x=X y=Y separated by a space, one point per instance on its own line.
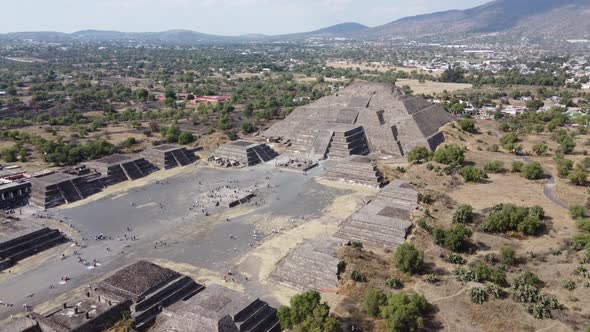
x=242 y=153
x=357 y=170
x=20 y=239
x=53 y=189
x=392 y=122
x=219 y=309
x=148 y=287
x=330 y=140
x=384 y=222
x=310 y=265
x=169 y=156
x=118 y=168
x=81 y=315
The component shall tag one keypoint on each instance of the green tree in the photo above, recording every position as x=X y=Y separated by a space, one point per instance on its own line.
x=463 y=214
x=540 y=149
x=373 y=300
x=507 y=255
x=449 y=154
x=472 y=174
x=307 y=313
x=468 y=125
x=577 y=211
x=404 y=313
x=419 y=154
x=578 y=177
x=186 y=137
x=533 y=171
x=408 y=259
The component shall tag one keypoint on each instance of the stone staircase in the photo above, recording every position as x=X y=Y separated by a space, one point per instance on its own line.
x=355 y=170
x=180 y=158
x=179 y=288
x=265 y=153
x=257 y=317
x=30 y=244
x=69 y=192
x=321 y=144
x=132 y=171
x=345 y=144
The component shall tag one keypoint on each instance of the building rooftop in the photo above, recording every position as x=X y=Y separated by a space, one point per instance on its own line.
x=166 y=147
x=114 y=159
x=12 y=228
x=138 y=279
x=53 y=178
x=74 y=316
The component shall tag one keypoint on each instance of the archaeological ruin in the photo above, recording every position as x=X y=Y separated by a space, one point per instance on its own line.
x=362 y=118
x=356 y=170
x=167 y=156
x=385 y=221
x=219 y=309
x=118 y=168
x=242 y=153
x=310 y=265
x=20 y=239
x=148 y=287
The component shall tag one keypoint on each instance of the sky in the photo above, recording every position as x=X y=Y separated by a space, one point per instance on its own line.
x=221 y=17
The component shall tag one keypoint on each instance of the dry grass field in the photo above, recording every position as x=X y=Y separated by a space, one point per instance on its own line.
x=548 y=255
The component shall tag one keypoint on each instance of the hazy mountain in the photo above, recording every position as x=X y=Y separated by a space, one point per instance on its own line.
x=563 y=19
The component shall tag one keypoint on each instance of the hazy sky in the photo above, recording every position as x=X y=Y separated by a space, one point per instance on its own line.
x=226 y=17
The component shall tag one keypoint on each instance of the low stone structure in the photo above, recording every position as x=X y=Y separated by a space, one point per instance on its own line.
x=225 y=196
x=51 y=190
x=169 y=156
x=14 y=194
x=21 y=324
x=385 y=221
x=364 y=117
x=219 y=309
x=20 y=239
x=357 y=170
x=118 y=168
x=310 y=265
x=242 y=153
x=148 y=287
x=81 y=315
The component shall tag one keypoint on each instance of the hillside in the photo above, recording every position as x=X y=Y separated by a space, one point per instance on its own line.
x=562 y=19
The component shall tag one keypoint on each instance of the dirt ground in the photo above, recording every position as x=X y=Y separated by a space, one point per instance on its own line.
x=546 y=255
x=429 y=87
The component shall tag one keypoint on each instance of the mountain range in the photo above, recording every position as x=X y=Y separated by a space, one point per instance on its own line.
x=546 y=19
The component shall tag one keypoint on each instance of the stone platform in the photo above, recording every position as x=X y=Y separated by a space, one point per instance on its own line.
x=358 y=170
x=385 y=221
x=149 y=287
x=242 y=153
x=219 y=309
x=20 y=239
x=118 y=168
x=310 y=265
x=169 y=156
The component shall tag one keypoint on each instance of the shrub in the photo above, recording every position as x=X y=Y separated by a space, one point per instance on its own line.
x=496 y=291
x=509 y=140
x=419 y=154
x=577 y=211
x=449 y=154
x=540 y=149
x=468 y=125
x=517 y=166
x=583 y=225
x=373 y=300
x=457 y=259
x=564 y=166
x=533 y=171
x=408 y=259
x=508 y=255
x=526 y=278
x=570 y=285
x=463 y=214
x=308 y=314
x=495 y=166
x=472 y=174
x=509 y=217
x=247 y=127
x=404 y=312
x=433 y=278
x=356 y=244
x=457 y=238
x=394 y=283
x=578 y=177
x=478 y=295
x=357 y=277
